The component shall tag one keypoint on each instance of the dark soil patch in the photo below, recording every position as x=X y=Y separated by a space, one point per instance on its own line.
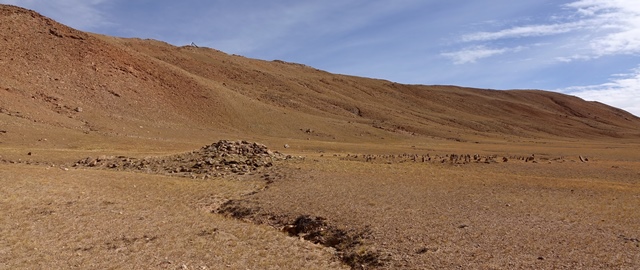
x=351 y=244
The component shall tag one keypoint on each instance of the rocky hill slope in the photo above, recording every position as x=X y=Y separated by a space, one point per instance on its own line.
x=58 y=77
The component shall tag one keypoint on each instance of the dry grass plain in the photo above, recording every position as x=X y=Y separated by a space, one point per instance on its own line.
x=513 y=215
x=556 y=213
x=89 y=219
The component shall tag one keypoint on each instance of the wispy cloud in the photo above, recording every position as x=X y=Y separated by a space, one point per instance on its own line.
x=622 y=91
x=590 y=29
x=523 y=31
x=619 y=22
x=282 y=25
x=580 y=31
x=472 y=54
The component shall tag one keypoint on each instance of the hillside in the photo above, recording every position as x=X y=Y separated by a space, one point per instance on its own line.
x=55 y=76
x=136 y=154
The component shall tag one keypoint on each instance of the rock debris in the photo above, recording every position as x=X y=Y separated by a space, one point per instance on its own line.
x=218 y=159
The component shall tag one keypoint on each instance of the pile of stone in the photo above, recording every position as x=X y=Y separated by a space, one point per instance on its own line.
x=218 y=159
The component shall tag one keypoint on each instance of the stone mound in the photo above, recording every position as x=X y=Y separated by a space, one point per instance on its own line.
x=218 y=159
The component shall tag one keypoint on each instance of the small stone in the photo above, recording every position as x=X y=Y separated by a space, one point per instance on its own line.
x=92 y=163
x=78 y=109
x=286 y=146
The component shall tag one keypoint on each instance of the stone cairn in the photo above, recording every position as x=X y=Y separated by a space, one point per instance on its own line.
x=218 y=159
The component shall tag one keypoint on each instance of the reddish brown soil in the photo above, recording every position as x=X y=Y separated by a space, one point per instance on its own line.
x=356 y=181
x=59 y=76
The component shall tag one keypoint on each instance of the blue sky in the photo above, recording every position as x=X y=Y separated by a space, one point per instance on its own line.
x=587 y=48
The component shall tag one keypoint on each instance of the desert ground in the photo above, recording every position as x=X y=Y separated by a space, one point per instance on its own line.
x=135 y=154
x=391 y=212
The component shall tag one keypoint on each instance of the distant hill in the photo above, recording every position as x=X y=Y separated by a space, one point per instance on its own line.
x=54 y=75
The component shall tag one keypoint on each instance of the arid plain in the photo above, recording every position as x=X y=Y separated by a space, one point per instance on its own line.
x=136 y=154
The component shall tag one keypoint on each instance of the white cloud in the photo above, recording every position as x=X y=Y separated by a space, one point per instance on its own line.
x=592 y=7
x=620 y=20
x=622 y=91
x=626 y=41
x=522 y=31
x=572 y=58
x=586 y=30
x=592 y=29
x=472 y=54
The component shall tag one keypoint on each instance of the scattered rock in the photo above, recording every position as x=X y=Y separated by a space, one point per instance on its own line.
x=218 y=159
x=426 y=249
x=78 y=109
x=454 y=159
x=286 y=146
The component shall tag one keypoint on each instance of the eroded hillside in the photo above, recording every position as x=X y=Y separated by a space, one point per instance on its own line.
x=60 y=77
